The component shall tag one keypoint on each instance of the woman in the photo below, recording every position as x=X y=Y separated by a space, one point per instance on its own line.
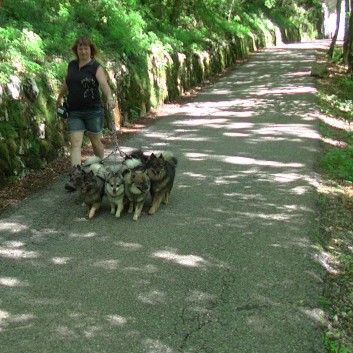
x=84 y=78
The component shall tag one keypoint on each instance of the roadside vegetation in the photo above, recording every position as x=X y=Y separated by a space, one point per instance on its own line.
x=335 y=92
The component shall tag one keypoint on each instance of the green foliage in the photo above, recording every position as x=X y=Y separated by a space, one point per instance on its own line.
x=134 y=113
x=338 y=163
x=346 y=85
x=303 y=17
x=337 y=55
x=4 y=153
x=341 y=105
x=333 y=345
x=20 y=50
x=6 y=69
x=8 y=131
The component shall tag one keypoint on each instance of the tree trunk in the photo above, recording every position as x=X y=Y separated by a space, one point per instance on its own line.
x=338 y=20
x=175 y=9
x=230 y=12
x=348 y=43
x=346 y=29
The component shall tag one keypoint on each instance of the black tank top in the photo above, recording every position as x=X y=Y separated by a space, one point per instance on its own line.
x=83 y=86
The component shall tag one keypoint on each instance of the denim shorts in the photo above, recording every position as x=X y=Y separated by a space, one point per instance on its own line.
x=90 y=121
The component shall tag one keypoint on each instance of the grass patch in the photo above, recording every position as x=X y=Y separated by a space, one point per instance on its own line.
x=335 y=94
x=338 y=163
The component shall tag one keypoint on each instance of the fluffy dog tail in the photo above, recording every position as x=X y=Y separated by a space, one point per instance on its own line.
x=91 y=160
x=133 y=163
x=169 y=157
x=116 y=168
x=94 y=164
x=137 y=154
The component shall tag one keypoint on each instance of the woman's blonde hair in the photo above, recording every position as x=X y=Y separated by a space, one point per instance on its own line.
x=84 y=41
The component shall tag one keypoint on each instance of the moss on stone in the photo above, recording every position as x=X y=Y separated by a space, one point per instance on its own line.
x=4 y=153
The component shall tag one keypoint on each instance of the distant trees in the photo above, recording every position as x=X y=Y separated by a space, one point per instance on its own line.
x=347 y=55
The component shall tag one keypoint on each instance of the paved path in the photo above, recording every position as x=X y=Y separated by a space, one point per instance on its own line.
x=228 y=267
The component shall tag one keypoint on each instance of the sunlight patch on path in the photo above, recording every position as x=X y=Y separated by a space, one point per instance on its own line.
x=184 y=260
x=289 y=90
x=12 y=227
x=12 y=282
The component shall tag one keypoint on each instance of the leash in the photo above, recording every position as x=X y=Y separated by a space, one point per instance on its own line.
x=116 y=148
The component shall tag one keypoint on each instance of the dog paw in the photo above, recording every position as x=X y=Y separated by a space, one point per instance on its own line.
x=152 y=211
x=91 y=213
x=166 y=199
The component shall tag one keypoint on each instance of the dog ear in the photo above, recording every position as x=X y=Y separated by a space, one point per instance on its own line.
x=152 y=156
x=117 y=175
x=125 y=171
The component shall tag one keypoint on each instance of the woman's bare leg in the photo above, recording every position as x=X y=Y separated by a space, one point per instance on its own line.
x=98 y=147
x=76 y=139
